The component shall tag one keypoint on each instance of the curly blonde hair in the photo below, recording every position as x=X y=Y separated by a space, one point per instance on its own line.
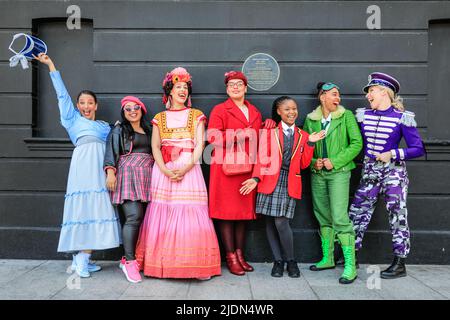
x=396 y=100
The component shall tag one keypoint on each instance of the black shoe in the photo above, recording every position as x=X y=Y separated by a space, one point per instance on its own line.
x=396 y=270
x=342 y=280
x=292 y=269
x=278 y=269
x=339 y=259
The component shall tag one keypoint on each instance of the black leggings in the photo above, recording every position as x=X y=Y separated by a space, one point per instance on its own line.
x=134 y=213
x=279 y=234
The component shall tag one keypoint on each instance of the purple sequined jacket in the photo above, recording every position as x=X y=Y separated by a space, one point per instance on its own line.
x=383 y=130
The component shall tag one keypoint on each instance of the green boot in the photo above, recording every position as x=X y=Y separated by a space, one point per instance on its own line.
x=348 y=249
x=327 y=262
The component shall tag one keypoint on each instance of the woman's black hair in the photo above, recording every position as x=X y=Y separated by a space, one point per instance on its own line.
x=276 y=103
x=88 y=92
x=169 y=86
x=128 y=128
x=319 y=88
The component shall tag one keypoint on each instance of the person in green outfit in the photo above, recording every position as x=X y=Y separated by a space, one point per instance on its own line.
x=330 y=177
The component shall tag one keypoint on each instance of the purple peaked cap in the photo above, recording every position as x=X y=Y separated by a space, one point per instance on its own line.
x=382 y=79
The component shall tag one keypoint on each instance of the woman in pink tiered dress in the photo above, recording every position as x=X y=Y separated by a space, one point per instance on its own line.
x=177 y=238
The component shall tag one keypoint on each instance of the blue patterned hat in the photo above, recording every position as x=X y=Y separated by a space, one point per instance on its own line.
x=382 y=79
x=33 y=46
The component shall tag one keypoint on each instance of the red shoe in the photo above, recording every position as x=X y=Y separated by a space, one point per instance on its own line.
x=233 y=264
x=242 y=262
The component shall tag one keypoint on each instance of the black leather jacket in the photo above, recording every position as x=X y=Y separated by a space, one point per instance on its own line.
x=116 y=145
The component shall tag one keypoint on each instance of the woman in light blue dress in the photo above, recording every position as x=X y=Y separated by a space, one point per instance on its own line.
x=90 y=222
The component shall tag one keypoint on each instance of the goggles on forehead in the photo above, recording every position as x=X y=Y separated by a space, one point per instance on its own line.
x=328 y=86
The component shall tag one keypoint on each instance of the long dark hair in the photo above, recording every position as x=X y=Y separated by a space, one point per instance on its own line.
x=276 y=103
x=128 y=128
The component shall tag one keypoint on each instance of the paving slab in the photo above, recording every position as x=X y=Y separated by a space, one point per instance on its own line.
x=32 y=279
x=264 y=286
x=321 y=278
x=436 y=277
x=325 y=284
x=158 y=288
x=107 y=284
x=42 y=282
x=10 y=270
x=148 y=298
x=405 y=288
x=224 y=287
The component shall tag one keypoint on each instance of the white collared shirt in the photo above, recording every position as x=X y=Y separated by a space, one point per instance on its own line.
x=286 y=127
x=329 y=122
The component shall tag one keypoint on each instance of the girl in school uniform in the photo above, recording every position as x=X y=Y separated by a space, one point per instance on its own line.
x=283 y=152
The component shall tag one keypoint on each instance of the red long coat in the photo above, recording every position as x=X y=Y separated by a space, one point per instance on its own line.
x=225 y=201
x=269 y=172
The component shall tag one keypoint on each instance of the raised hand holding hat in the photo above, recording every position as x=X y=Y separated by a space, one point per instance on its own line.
x=33 y=47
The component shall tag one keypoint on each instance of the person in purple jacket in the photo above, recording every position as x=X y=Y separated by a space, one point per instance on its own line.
x=383 y=125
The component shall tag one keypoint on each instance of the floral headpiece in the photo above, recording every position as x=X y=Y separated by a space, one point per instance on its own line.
x=177 y=75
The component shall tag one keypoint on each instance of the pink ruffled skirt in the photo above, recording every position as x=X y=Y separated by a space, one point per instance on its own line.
x=177 y=237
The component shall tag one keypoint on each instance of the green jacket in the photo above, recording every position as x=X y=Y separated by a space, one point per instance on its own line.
x=344 y=141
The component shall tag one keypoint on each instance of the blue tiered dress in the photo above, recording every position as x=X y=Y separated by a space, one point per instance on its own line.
x=90 y=221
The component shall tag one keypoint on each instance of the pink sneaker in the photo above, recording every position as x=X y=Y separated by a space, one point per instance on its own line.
x=131 y=270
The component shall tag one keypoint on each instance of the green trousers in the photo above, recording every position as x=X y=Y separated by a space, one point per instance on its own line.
x=330 y=193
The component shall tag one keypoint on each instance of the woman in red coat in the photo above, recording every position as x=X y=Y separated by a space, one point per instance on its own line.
x=233 y=122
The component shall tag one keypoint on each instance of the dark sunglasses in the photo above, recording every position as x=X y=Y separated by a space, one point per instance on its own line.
x=136 y=107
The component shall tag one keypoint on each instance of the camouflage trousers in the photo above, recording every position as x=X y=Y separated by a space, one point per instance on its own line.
x=391 y=180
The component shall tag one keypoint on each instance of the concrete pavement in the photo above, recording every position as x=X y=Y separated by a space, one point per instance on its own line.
x=51 y=280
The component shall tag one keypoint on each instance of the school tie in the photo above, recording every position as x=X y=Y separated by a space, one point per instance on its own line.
x=324 y=142
x=290 y=133
x=287 y=149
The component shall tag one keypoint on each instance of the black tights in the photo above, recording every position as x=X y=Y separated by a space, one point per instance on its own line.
x=134 y=213
x=279 y=234
x=232 y=233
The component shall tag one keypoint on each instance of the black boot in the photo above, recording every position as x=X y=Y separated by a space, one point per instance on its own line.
x=396 y=270
x=339 y=259
x=278 y=269
x=292 y=269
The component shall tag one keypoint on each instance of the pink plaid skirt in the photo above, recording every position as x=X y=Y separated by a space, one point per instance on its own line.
x=134 y=174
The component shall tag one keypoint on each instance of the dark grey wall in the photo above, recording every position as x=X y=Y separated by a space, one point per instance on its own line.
x=126 y=47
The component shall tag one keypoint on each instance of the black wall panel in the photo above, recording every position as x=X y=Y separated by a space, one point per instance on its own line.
x=130 y=45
